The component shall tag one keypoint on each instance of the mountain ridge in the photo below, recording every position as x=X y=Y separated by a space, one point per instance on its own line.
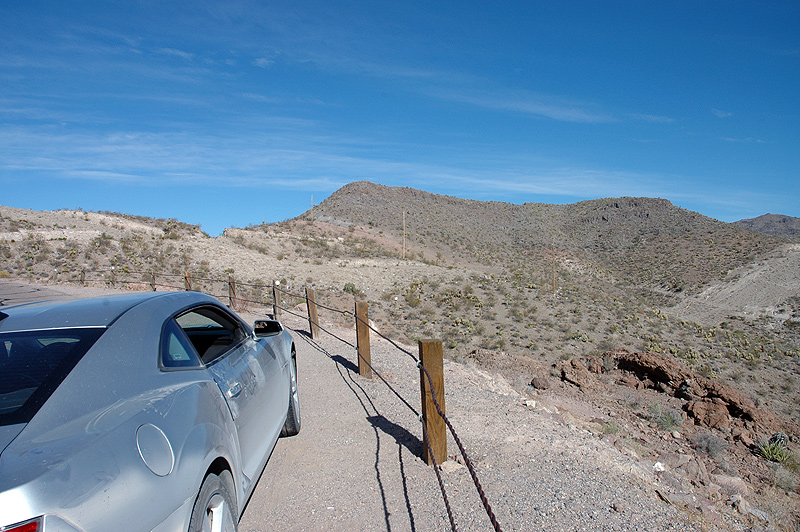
x=604 y=232
x=774 y=224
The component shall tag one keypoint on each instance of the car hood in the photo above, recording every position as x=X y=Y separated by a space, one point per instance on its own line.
x=8 y=433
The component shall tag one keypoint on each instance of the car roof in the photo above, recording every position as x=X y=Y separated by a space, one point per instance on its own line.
x=92 y=312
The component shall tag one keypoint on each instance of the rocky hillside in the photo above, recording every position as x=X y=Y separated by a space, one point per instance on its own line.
x=786 y=227
x=643 y=242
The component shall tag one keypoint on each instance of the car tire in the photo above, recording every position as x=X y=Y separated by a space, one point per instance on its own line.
x=215 y=507
x=292 y=424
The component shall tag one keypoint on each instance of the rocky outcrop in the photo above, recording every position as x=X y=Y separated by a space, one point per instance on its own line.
x=710 y=403
x=575 y=372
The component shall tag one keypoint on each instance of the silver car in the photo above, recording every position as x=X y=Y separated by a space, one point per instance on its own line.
x=151 y=412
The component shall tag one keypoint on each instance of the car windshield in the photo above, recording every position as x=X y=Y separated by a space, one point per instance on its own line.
x=34 y=363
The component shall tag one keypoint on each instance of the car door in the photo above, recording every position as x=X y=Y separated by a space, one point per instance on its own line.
x=245 y=374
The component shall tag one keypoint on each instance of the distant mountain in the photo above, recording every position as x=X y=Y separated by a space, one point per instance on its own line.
x=641 y=241
x=774 y=224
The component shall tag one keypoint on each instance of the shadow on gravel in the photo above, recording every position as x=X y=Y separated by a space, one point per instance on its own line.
x=404 y=439
x=339 y=359
x=401 y=435
x=18 y=292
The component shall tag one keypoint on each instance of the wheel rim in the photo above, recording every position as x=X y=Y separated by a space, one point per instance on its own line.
x=218 y=517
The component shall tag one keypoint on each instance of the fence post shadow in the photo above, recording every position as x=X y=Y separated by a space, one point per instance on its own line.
x=400 y=434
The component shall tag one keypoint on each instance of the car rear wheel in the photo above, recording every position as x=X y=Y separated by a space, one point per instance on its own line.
x=215 y=509
x=292 y=424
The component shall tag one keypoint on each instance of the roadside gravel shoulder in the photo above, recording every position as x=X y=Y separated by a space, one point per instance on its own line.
x=355 y=465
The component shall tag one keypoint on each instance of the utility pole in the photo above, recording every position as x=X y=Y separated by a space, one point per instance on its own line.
x=404 y=234
x=554 y=267
x=312 y=208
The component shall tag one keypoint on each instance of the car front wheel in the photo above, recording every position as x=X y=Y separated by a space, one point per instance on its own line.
x=292 y=424
x=215 y=509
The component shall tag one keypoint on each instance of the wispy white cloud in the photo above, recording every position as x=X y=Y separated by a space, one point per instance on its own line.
x=263 y=62
x=655 y=119
x=748 y=139
x=544 y=106
x=721 y=114
x=260 y=97
x=177 y=53
x=291 y=154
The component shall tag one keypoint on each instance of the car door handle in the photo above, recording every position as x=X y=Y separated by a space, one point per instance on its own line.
x=234 y=390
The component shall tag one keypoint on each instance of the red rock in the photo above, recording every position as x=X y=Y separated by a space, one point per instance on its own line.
x=576 y=373
x=709 y=414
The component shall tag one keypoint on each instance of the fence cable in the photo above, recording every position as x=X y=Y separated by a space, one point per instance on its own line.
x=452 y=430
x=467 y=461
x=438 y=475
x=361 y=357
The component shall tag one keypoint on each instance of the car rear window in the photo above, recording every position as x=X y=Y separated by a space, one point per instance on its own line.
x=34 y=363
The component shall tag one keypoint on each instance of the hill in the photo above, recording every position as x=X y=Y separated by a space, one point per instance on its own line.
x=643 y=242
x=786 y=227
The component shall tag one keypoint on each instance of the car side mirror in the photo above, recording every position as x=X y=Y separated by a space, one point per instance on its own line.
x=266 y=328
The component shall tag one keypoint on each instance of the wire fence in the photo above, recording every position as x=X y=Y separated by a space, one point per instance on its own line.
x=439 y=410
x=240 y=295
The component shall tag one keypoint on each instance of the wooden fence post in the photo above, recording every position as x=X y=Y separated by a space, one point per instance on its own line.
x=275 y=299
x=313 y=318
x=232 y=291
x=83 y=277
x=113 y=278
x=430 y=355
x=153 y=282
x=362 y=339
x=187 y=280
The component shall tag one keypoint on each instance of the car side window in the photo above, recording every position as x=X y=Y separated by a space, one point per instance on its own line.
x=211 y=331
x=176 y=350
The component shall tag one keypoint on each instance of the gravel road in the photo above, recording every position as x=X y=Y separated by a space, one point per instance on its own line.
x=355 y=464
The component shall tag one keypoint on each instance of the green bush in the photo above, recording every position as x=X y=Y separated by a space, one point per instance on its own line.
x=775 y=451
x=666 y=418
x=350 y=288
x=708 y=443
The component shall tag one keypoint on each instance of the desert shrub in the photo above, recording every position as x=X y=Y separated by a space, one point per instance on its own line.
x=707 y=371
x=709 y=444
x=773 y=452
x=350 y=288
x=666 y=418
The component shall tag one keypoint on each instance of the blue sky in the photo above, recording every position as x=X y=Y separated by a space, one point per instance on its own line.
x=232 y=113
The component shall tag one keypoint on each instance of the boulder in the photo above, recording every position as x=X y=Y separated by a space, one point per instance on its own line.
x=731 y=485
x=574 y=372
x=709 y=413
x=665 y=373
x=540 y=383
